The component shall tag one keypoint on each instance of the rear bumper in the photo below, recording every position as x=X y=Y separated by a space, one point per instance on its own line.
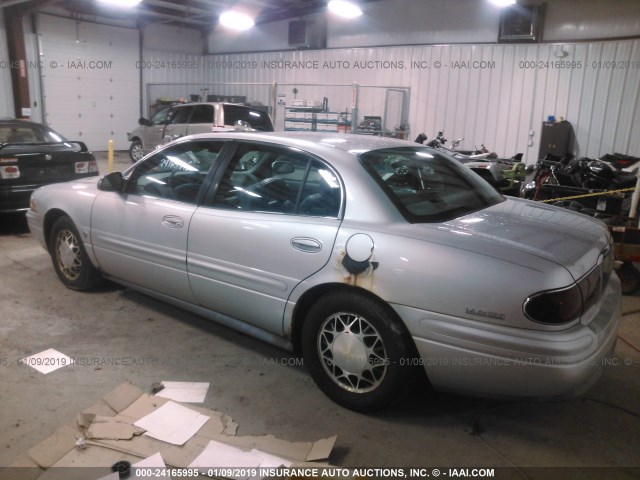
x=497 y=361
x=16 y=198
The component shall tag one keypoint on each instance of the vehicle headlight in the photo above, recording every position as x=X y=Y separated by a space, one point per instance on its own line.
x=32 y=203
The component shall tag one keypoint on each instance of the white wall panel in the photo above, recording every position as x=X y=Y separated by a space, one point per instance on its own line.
x=172 y=74
x=170 y=38
x=6 y=93
x=422 y=22
x=90 y=80
x=398 y=22
x=589 y=19
x=498 y=103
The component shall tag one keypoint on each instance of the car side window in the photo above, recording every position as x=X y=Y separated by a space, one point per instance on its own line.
x=202 y=114
x=160 y=117
x=175 y=173
x=179 y=115
x=257 y=119
x=263 y=178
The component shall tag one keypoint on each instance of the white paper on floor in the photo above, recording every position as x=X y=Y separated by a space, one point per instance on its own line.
x=186 y=392
x=221 y=455
x=47 y=361
x=155 y=463
x=172 y=423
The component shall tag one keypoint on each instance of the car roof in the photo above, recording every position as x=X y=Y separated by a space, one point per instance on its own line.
x=315 y=142
x=191 y=104
x=330 y=146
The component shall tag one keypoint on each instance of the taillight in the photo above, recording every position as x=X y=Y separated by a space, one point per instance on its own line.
x=9 y=172
x=555 y=307
x=86 y=167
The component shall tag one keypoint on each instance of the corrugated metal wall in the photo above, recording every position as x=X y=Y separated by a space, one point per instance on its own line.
x=171 y=75
x=171 y=61
x=424 y=22
x=491 y=94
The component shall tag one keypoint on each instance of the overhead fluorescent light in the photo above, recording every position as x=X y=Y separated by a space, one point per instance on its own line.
x=345 y=9
x=121 y=3
x=503 y=3
x=236 y=20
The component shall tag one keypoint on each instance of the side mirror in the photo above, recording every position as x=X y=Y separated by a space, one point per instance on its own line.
x=144 y=122
x=114 y=182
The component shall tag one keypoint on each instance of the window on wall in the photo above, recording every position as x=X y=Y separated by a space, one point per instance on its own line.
x=176 y=173
x=263 y=178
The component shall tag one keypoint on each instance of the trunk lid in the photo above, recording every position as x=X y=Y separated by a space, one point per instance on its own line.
x=515 y=227
x=42 y=164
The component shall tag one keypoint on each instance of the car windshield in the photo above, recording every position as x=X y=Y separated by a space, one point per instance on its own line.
x=28 y=134
x=257 y=119
x=427 y=186
x=160 y=117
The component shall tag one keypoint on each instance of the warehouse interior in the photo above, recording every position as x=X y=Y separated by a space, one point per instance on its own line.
x=567 y=82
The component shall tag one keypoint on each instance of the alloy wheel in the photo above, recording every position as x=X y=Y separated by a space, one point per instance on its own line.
x=352 y=352
x=68 y=254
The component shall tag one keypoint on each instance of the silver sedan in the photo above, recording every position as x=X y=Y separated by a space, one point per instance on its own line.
x=376 y=259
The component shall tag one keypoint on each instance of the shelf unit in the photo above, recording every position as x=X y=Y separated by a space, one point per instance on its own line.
x=314 y=119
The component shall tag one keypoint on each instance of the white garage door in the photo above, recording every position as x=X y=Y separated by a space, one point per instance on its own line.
x=90 y=80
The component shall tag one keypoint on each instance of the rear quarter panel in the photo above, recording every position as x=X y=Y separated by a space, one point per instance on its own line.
x=432 y=276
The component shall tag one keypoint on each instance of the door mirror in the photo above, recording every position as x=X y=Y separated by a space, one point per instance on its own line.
x=144 y=122
x=114 y=182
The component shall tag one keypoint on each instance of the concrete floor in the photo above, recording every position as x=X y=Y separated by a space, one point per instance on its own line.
x=265 y=391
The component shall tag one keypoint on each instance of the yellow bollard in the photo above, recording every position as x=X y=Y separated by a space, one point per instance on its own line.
x=110 y=155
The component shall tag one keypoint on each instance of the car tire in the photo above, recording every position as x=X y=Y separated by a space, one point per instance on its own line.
x=135 y=150
x=358 y=352
x=70 y=259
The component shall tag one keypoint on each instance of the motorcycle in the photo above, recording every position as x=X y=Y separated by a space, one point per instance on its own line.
x=477 y=153
x=554 y=177
x=503 y=174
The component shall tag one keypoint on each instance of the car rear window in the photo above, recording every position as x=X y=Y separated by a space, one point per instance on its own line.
x=257 y=119
x=427 y=186
x=27 y=134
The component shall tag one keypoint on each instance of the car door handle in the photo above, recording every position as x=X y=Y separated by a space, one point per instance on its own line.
x=305 y=244
x=172 y=221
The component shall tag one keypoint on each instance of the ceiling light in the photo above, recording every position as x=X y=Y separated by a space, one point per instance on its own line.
x=121 y=3
x=236 y=20
x=503 y=3
x=344 y=8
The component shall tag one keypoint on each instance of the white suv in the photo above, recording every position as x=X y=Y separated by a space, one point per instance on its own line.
x=189 y=118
